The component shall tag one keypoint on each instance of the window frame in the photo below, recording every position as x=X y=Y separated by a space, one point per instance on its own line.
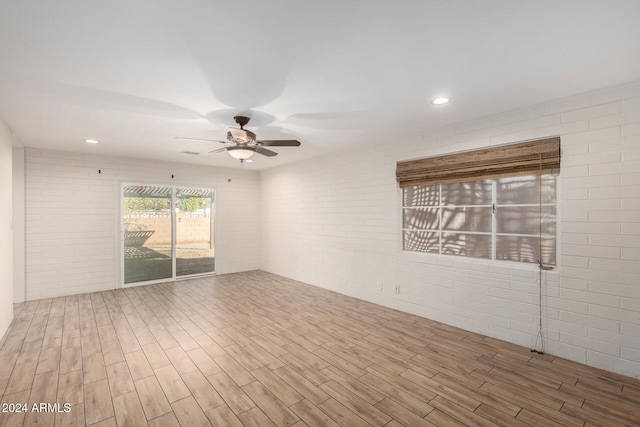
x=494 y=223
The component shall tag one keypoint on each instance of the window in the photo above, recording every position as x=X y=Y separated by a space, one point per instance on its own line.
x=500 y=219
x=494 y=203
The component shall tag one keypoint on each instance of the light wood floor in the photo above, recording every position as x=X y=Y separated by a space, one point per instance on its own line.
x=257 y=349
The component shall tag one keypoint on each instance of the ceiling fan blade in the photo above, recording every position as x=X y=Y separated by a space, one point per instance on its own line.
x=219 y=150
x=266 y=152
x=280 y=143
x=199 y=139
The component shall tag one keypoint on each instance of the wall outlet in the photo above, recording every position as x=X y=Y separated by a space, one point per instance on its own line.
x=397 y=289
x=379 y=286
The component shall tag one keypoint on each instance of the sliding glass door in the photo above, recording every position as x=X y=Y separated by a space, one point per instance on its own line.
x=194 y=231
x=167 y=232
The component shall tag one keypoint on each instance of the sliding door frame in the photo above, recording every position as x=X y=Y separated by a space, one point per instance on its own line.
x=173 y=209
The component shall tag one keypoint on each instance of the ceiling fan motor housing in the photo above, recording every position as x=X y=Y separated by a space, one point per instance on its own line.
x=241 y=136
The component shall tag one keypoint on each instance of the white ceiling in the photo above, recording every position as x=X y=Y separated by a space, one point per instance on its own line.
x=332 y=74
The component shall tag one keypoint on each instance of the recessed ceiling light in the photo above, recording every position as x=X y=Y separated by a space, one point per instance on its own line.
x=91 y=141
x=440 y=101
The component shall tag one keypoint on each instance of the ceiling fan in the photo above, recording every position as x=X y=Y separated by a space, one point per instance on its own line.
x=242 y=144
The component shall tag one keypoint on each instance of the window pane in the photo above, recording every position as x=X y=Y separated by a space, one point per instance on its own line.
x=471 y=245
x=526 y=190
x=464 y=214
x=421 y=196
x=467 y=193
x=467 y=219
x=526 y=220
x=420 y=218
x=525 y=249
x=420 y=241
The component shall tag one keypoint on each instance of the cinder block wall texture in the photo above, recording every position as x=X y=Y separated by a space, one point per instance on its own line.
x=335 y=222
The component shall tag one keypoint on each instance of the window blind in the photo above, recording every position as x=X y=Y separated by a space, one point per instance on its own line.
x=525 y=158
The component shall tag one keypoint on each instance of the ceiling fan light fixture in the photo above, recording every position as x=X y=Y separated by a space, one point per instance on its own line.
x=241 y=153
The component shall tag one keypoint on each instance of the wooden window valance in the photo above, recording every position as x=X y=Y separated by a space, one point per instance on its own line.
x=525 y=158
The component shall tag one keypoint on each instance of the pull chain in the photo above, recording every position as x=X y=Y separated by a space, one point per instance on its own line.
x=540 y=337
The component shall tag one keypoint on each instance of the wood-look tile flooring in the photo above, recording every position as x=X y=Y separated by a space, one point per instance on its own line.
x=257 y=349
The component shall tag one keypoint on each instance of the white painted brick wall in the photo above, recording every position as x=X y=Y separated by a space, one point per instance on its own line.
x=73 y=218
x=6 y=234
x=335 y=222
